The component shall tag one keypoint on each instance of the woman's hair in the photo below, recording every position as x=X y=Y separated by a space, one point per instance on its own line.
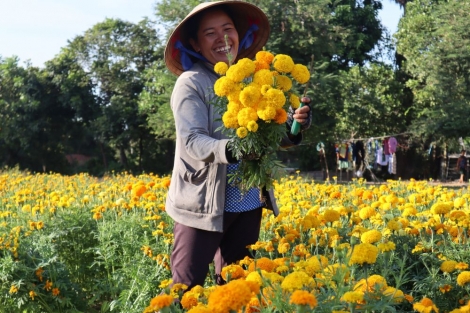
x=193 y=24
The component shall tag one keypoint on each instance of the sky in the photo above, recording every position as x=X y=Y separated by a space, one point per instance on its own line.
x=36 y=30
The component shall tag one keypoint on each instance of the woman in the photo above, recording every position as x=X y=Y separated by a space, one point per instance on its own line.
x=210 y=225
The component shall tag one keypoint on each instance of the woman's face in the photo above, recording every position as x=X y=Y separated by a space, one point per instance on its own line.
x=210 y=41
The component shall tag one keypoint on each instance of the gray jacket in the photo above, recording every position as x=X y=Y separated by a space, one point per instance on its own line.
x=196 y=196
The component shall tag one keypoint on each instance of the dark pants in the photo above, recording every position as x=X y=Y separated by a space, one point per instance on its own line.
x=194 y=249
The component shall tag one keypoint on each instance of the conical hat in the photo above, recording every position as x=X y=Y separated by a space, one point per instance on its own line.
x=243 y=13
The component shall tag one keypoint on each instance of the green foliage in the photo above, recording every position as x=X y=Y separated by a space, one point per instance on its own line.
x=433 y=38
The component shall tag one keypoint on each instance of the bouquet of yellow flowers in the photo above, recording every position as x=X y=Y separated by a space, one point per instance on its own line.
x=253 y=98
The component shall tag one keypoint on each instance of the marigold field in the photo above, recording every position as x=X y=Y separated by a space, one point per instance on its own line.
x=85 y=244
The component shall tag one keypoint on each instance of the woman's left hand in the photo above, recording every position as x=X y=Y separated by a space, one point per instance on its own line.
x=301 y=114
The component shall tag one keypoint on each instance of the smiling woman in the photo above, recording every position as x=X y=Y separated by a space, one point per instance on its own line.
x=214 y=221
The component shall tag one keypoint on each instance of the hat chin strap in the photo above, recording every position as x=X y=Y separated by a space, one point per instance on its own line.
x=184 y=56
x=185 y=53
x=249 y=37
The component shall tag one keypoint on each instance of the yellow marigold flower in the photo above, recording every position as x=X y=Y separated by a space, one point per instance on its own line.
x=233 y=271
x=331 y=215
x=441 y=208
x=223 y=86
x=387 y=246
x=252 y=126
x=234 y=106
x=297 y=281
x=373 y=283
x=283 y=83
x=254 y=277
x=294 y=101
x=230 y=119
x=177 y=288
x=459 y=202
x=232 y=296
x=425 y=306
x=456 y=215
x=396 y=294
x=353 y=297
x=250 y=96
x=55 y=292
x=281 y=116
x=283 y=63
x=200 y=308
x=448 y=266
x=364 y=253
x=13 y=289
x=267 y=114
x=463 y=278
x=275 y=98
x=409 y=211
x=371 y=236
x=367 y=212
x=241 y=70
x=300 y=73
x=234 y=94
x=304 y=298
x=26 y=208
x=264 y=56
x=242 y=132
x=32 y=294
x=393 y=225
x=263 y=263
x=264 y=89
x=246 y=115
x=165 y=283
x=263 y=77
x=221 y=68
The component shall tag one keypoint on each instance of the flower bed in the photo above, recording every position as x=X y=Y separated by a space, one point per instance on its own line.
x=82 y=244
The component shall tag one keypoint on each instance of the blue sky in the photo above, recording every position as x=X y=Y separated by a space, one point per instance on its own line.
x=38 y=29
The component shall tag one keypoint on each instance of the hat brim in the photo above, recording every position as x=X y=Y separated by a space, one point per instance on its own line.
x=243 y=13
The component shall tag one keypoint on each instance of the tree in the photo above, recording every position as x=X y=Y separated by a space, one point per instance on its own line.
x=433 y=37
x=371 y=98
x=39 y=114
x=115 y=55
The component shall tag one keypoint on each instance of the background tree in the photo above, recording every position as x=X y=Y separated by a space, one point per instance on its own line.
x=115 y=55
x=433 y=37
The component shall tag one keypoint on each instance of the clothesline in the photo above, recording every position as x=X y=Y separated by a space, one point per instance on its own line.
x=380 y=137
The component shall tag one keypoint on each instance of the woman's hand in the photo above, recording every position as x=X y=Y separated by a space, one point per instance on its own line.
x=301 y=114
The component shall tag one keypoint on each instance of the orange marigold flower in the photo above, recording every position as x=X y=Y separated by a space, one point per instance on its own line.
x=445 y=288
x=161 y=301
x=48 y=285
x=233 y=271
x=304 y=298
x=55 y=292
x=232 y=296
x=263 y=263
